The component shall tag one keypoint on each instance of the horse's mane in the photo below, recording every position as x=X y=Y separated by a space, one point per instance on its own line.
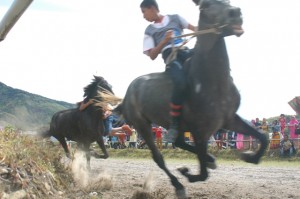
x=101 y=92
x=98 y=81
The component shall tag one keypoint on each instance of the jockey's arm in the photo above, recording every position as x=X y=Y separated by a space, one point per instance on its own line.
x=154 y=52
x=84 y=105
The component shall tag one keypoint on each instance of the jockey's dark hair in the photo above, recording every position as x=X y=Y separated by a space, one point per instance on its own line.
x=149 y=4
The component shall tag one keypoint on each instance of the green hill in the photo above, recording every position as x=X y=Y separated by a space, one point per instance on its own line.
x=27 y=111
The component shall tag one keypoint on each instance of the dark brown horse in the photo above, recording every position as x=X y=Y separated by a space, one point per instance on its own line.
x=212 y=99
x=83 y=127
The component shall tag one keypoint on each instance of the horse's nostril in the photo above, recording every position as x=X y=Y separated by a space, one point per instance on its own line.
x=234 y=12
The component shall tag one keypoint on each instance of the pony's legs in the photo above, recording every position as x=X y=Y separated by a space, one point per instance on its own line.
x=63 y=143
x=158 y=158
x=86 y=149
x=240 y=126
x=201 y=148
x=103 y=148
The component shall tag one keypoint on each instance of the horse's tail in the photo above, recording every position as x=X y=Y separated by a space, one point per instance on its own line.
x=44 y=132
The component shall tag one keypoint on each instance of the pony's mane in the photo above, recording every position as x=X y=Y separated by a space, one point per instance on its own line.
x=101 y=92
x=97 y=83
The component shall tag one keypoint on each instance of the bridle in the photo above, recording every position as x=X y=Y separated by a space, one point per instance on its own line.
x=173 y=54
x=215 y=30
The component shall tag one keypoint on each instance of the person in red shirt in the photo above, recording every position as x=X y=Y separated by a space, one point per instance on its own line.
x=158 y=136
x=282 y=122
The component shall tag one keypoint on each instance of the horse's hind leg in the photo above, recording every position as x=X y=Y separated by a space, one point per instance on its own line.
x=240 y=126
x=201 y=148
x=63 y=143
x=210 y=159
x=158 y=158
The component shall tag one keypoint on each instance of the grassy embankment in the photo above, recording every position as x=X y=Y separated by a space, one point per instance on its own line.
x=30 y=167
x=34 y=166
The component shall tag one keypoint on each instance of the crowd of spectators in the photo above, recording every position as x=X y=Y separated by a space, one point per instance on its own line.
x=281 y=132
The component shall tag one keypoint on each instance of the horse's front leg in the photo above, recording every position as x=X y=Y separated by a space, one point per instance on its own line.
x=86 y=149
x=201 y=148
x=240 y=126
x=103 y=148
x=158 y=158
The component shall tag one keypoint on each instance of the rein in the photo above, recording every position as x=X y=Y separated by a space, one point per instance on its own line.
x=201 y=32
x=173 y=54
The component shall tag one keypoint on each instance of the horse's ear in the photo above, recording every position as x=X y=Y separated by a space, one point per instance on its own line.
x=196 y=2
x=98 y=78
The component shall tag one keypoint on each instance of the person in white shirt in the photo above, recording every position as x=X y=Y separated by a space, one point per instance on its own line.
x=159 y=39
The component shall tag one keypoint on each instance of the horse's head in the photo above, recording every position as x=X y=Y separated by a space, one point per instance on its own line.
x=221 y=15
x=98 y=84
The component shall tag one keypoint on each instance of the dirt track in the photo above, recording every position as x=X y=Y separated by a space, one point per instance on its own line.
x=229 y=180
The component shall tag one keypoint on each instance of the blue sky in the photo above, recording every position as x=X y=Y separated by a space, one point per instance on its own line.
x=58 y=45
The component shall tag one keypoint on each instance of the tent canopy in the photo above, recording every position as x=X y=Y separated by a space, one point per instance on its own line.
x=12 y=15
x=295 y=104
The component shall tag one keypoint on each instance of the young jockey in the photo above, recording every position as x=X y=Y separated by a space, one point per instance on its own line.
x=158 y=39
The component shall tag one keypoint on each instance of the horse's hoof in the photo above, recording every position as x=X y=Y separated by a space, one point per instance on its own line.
x=181 y=194
x=211 y=165
x=203 y=177
x=96 y=156
x=89 y=167
x=183 y=170
x=68 y=155
x=250 y=157
x=103 y=156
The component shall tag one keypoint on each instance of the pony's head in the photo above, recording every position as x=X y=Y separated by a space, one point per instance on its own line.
x=221 y=15
x=100 y=91
x=99 y=84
